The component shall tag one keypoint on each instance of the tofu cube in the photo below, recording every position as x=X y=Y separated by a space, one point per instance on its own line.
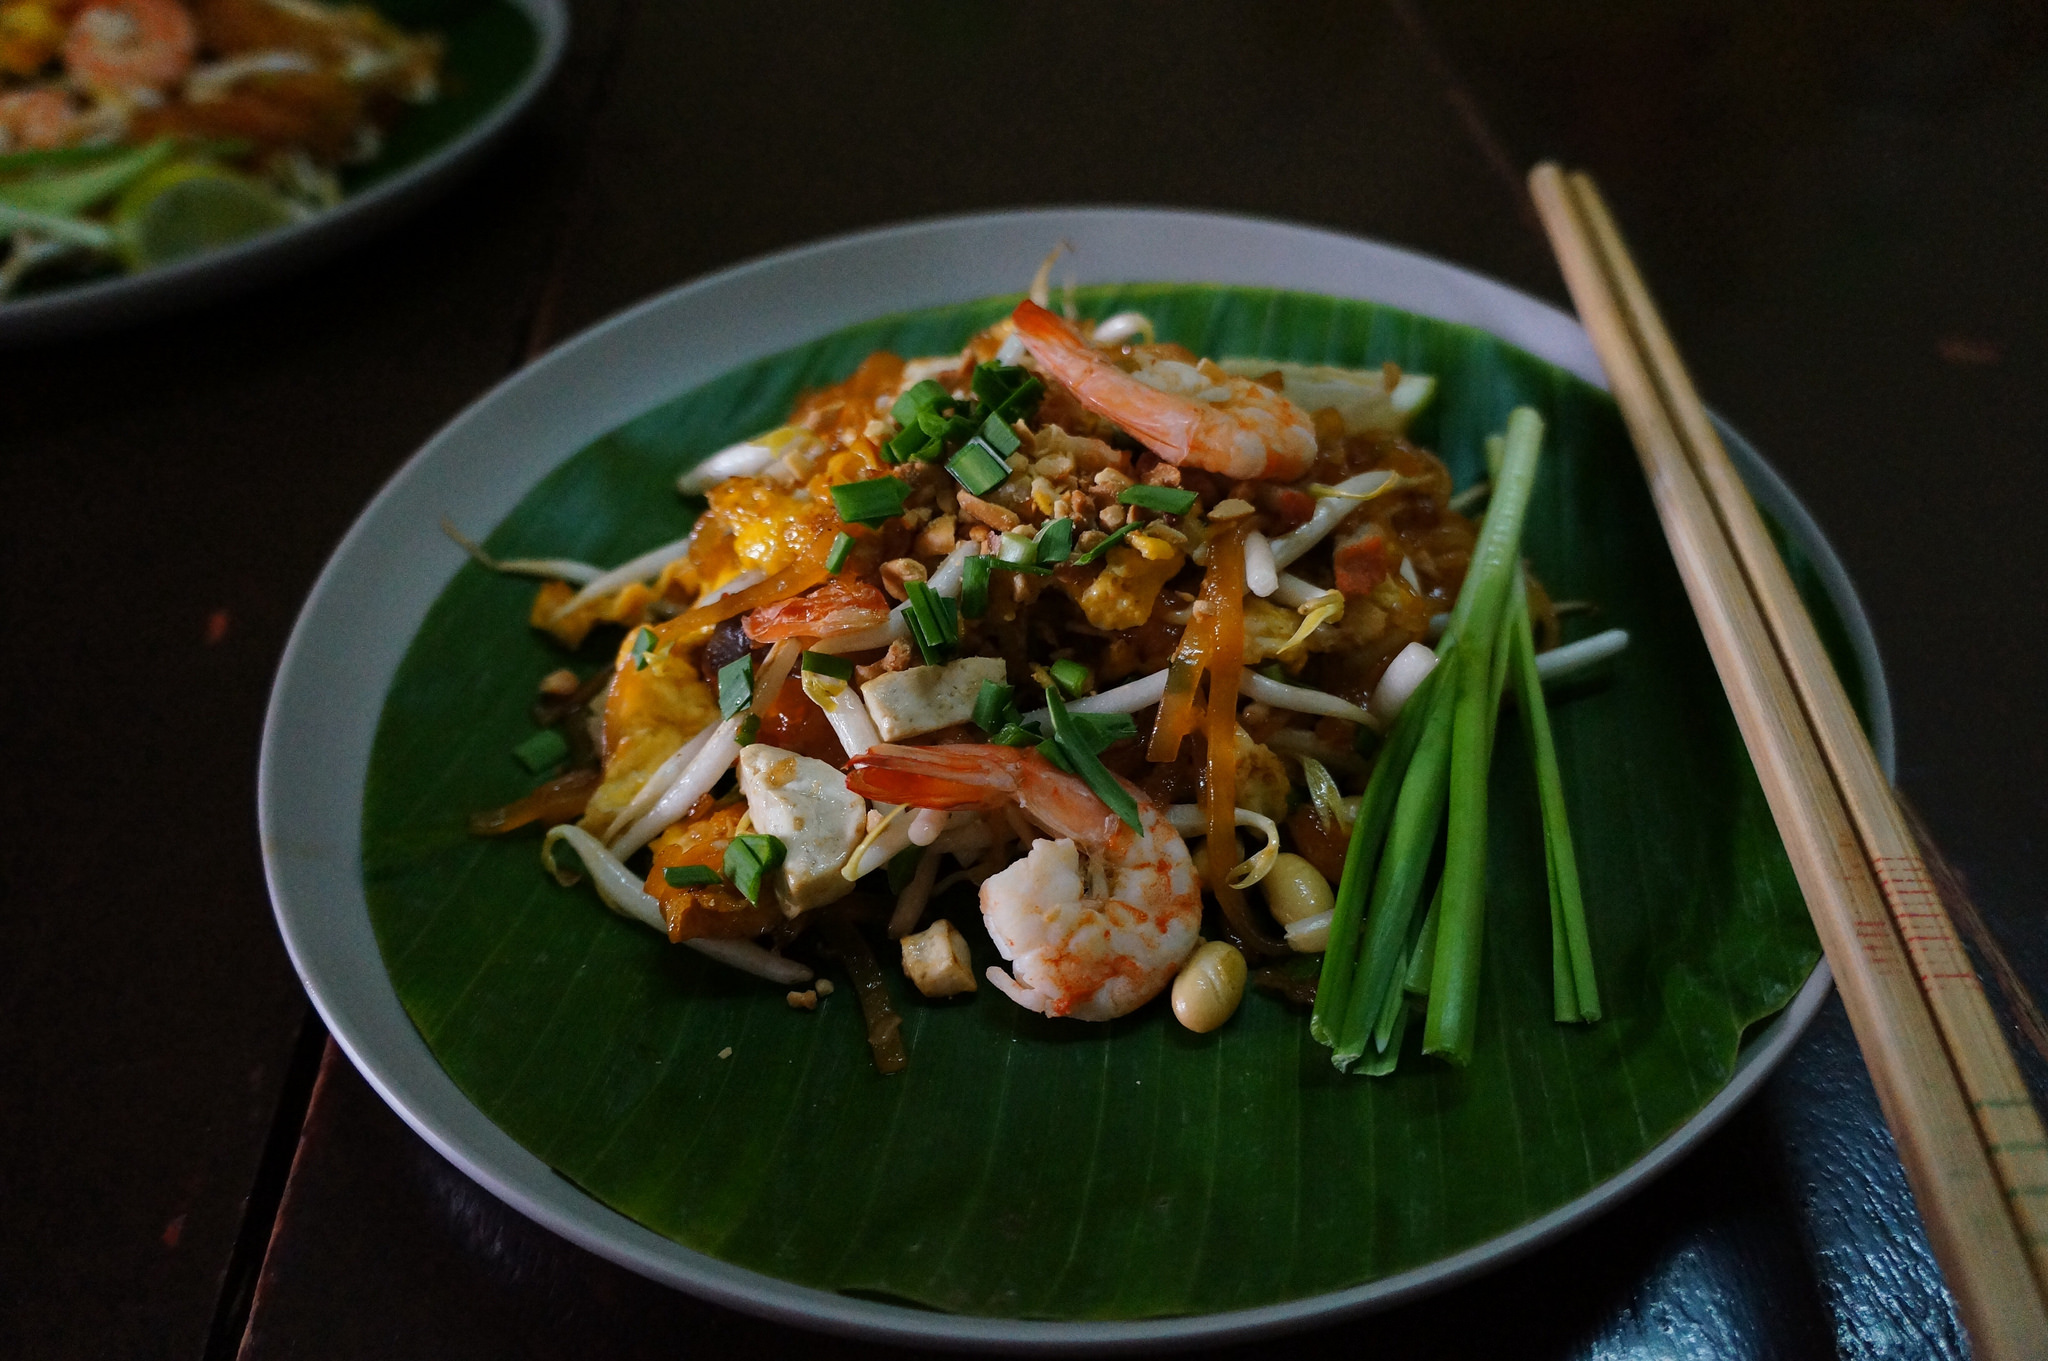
x=926 y=698
x=805 y=805
x=936 y=960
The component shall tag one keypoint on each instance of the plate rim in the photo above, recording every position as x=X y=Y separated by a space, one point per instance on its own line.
x=525 y=1183
x=128 y=298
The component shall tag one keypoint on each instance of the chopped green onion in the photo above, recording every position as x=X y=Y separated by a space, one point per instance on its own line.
x=545 y=748
x=1101 y=730
x=911 y=443
x=1018 y=735
x=1008 y=392
x=1073 y=678
x=1016 y=548
x=933 y=619
x=974 y=579
x=1056 y=541
x=902 y=865
x=1050 y=750
x=690 y=876
x=736 y=685
x=825 y=664
x=749 y=858
x=978 y=468
x=643 y=644
x=995 y=708
x=919 y=400
x=1116 y=537
x=871 y=502
x=835 y=557
x=750 y=730
x=1075 y=745
x=999 y=436
x=1170 y=500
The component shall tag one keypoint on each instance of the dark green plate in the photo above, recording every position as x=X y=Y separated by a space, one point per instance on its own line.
x=499 y=53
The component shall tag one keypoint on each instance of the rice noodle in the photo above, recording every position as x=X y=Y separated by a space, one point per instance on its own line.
x=927 y=824
x=910 y=903
x=647 y=565
x=1329 y=513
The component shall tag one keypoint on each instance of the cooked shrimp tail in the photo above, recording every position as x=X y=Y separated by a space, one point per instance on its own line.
x=1095 y=923
x=1189 y=414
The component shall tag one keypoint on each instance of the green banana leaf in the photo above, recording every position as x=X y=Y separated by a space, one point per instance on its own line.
x=1056 y=1169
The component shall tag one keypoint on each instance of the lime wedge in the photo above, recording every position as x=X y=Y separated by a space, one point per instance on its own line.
x=192 y=207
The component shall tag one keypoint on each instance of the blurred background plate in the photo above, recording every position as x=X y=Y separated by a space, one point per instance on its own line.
x=499 y=56
x=377 y=589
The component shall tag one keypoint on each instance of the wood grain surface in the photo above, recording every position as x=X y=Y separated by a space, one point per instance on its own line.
x=1836 y=207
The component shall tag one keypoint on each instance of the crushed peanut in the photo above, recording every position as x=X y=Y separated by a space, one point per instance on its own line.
x=559 y=683
x=897 y=571
x=807 y=1000
x=1231 y=509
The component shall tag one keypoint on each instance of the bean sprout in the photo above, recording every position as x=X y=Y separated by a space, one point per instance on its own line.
x=551 y=569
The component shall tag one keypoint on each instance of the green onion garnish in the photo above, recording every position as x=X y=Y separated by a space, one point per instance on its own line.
x=978 y=468
x=1018 y=735
x=1050 y=750
x=1116 y=537
x=643 y=643
x=750 y=730
x=825 y=664
x=995 y=708
x=974 y=579
x=871 y=502
x=999 y=436
x=1170 y=500
x=921 y=399
x=1075 y=744
x=545 y=748
x=1056 y=541
x=750 y=857
x=1100 y=730
x=934 y=622
x=1073 y=678
x=835 y=557
x=690 y=876
x=736 y=685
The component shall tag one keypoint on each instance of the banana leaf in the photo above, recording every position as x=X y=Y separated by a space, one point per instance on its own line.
x=1056 y=1169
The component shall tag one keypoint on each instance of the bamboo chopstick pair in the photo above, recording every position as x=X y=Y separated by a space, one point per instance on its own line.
x=1966 y=1131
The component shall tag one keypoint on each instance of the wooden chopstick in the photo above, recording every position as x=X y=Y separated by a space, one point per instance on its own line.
x=1950 y=1090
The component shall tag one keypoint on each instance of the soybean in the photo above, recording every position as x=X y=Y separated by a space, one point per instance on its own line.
x=1209 y=987
x=1296 y=890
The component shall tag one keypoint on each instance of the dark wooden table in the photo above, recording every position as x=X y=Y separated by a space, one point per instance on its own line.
x=1839 y=204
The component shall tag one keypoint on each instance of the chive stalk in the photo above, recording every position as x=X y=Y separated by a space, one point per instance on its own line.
x=1576 y=993
x=1476 y=622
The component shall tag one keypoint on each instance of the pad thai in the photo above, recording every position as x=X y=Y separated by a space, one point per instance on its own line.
x=1166 y=657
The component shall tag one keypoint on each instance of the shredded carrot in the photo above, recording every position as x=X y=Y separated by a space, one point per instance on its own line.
x=1223 y=591
x=807 y=571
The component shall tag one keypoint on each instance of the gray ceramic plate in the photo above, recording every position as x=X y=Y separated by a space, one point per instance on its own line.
x=434 y=155
x=375 y=592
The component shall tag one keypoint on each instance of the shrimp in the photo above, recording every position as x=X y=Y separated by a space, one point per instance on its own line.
x=1096 y=923
x=123 y=45
x=1184 y=413
x=834 y=608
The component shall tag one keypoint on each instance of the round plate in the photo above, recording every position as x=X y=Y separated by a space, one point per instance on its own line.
x=376 y=591
x=131 y=298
